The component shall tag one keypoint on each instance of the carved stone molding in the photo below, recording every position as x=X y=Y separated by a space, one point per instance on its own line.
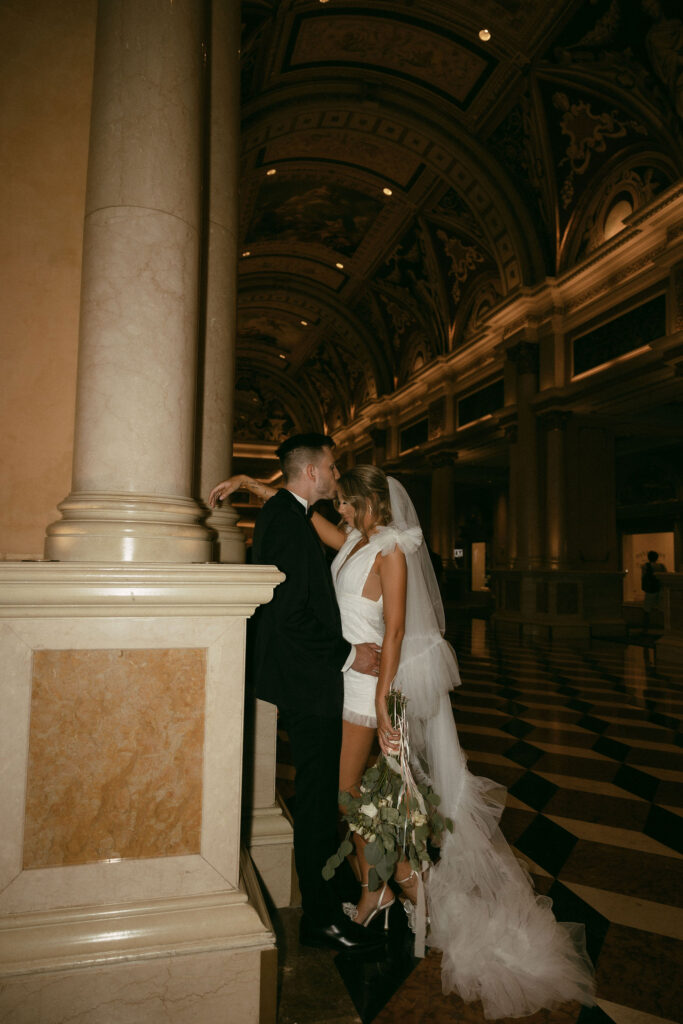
x=611 y=282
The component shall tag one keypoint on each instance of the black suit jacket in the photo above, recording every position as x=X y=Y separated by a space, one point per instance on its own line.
x=299 y=649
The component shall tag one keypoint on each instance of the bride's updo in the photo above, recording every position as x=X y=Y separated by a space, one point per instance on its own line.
x=363 y=487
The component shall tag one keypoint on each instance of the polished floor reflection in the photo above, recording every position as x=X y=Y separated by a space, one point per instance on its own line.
x=589 y=743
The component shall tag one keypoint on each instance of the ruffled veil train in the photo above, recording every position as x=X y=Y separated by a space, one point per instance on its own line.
x=500 y=941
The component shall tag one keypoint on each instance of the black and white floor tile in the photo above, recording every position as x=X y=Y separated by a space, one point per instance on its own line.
x=589 y=743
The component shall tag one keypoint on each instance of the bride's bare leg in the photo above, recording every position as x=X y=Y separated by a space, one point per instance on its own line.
x=355 y=752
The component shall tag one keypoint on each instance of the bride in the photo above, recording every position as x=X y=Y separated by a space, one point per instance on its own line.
x=500 y=941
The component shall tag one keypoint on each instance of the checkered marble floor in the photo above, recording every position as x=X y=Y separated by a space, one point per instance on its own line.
x=589 y=743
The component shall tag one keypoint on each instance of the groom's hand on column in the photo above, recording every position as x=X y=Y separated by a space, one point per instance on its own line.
x=367 y=659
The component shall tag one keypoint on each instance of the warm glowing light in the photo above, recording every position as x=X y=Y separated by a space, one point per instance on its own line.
x=614 y=221
x=304 y=323
x=339 y=266
x=388 y=191
x=246 y=253
x=271 y=171
x=282 y=355
x=484 y=35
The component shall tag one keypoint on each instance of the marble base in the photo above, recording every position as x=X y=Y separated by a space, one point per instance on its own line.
x=229 y=546
x=129 y=528
x=180 y=961
x=271 y=844
x=209 y=987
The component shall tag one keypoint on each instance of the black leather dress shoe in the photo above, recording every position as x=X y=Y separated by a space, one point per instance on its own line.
x=342 y=936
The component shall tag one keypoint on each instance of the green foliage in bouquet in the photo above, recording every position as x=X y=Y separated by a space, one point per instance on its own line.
x=395 y=814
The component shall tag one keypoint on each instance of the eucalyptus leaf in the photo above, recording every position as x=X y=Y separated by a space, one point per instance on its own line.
x=373 y=880
x=373 y=852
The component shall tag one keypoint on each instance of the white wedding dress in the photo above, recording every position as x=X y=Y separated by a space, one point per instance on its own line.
x=500 y=941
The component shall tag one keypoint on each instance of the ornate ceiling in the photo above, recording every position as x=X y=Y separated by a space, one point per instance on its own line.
x=401 y=177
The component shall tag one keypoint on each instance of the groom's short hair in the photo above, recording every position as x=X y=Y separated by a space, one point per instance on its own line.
x=300 y=449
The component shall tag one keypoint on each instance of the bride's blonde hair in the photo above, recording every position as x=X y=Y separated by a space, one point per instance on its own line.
x=363 y=487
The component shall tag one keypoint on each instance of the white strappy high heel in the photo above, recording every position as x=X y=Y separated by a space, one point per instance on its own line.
x=351 y=910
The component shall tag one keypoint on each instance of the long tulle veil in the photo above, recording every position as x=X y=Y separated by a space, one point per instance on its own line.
x=500 y=941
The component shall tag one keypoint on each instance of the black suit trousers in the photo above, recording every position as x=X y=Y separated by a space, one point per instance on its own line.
x=315 y=744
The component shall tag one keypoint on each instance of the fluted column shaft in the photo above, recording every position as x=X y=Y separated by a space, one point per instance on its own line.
x=221 y=274
x=134 y=438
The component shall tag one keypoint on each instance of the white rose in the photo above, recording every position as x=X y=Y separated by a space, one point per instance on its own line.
x=369 y=809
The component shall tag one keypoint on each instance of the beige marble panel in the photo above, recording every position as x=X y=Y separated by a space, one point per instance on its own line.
x=115 y=755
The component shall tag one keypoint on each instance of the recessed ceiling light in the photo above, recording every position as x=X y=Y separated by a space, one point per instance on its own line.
x=304 y=323
x=271 y=171
x=484 y=35
x=339 y=266
x=388 y=191
x=282 y=355
x=246 y=253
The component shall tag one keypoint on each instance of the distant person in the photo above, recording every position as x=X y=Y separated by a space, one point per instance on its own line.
x=650 y=585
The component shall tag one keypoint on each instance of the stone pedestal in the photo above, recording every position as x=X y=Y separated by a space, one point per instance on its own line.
x=123 y=892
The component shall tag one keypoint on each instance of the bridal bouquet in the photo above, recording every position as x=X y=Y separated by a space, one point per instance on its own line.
x=395 y=813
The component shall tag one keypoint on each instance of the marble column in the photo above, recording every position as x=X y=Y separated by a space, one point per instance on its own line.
x=220 y=326
x=555 y=496
x=443 y=507
x=524 y=355
x=135 y=408
x=513 y=480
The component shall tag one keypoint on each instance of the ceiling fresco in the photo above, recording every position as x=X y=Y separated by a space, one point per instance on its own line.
x=400 y=177
x=388 y=43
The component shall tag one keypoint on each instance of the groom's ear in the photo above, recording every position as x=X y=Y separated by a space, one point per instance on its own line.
x=311 y=471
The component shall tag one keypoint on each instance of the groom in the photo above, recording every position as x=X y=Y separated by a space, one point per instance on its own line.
x=298 y=658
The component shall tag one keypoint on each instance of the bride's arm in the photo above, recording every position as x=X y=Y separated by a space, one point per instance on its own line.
x=392 y=574
x=329 y=534
x=239 y=483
